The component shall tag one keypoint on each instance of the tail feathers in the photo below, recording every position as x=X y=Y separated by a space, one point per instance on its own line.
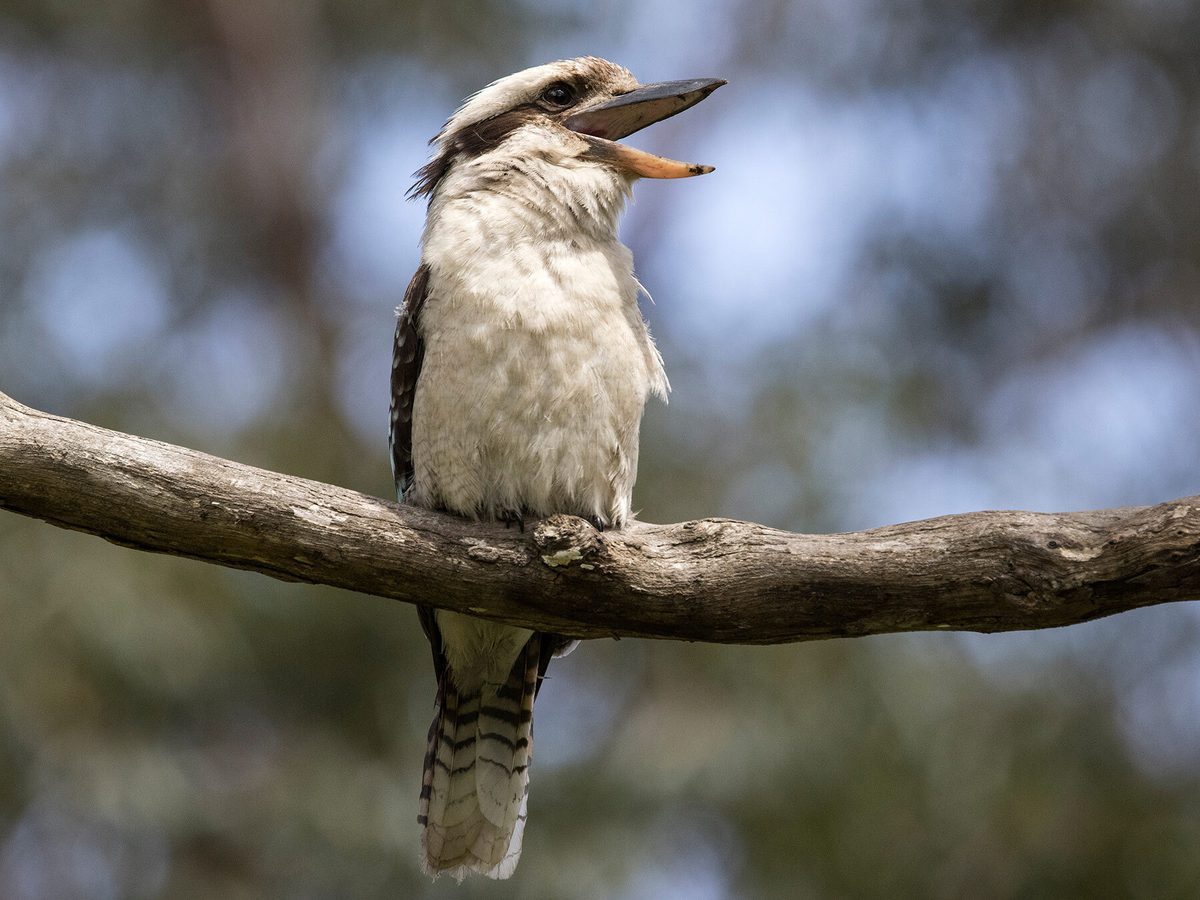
x=476 y=779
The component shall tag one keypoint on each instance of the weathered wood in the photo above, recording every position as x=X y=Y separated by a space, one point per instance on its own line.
x=711 y=580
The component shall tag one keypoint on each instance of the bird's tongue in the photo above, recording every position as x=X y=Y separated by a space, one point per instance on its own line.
x=641 y=163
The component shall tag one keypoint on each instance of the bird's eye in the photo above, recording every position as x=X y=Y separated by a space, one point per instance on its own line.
x=559 y=94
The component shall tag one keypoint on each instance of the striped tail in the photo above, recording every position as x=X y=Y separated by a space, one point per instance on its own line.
x=476 y=778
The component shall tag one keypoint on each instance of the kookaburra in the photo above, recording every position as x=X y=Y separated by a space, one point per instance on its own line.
x=520 y=371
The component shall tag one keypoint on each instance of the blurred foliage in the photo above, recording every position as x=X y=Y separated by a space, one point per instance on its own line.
x=951 y=259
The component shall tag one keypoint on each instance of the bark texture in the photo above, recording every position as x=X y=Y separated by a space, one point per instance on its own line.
x=713 y=580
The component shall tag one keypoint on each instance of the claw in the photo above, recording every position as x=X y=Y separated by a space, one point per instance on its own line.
x=510 y=517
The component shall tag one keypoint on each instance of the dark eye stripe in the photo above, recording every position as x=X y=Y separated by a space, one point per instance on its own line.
x=476 y=138
x=468 y=142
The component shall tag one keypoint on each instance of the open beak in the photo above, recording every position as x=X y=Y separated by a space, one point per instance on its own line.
x=606 y=123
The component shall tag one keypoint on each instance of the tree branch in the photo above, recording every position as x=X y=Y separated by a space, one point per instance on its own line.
x=711 y=580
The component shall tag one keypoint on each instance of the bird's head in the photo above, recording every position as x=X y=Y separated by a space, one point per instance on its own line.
x=556 y=127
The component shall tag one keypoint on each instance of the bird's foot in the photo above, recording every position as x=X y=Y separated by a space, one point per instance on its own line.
x=597 y=522
x=512 y=517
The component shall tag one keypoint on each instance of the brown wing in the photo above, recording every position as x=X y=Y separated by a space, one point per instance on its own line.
x=408 y=352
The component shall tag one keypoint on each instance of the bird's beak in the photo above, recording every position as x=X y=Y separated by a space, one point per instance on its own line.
x=606 y=123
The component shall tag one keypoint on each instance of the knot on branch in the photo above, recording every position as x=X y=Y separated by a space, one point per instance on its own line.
x=568 y=541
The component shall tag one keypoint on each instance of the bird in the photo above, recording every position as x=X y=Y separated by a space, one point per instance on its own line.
x=521 y=367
